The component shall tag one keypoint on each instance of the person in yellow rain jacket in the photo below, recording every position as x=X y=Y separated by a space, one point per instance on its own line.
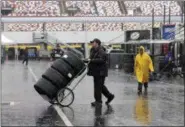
x=143 y=66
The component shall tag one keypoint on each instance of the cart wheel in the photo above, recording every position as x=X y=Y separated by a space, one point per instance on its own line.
x=65 y=97
x=181 y=75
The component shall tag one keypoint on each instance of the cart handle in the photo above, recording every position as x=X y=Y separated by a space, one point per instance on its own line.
x=81 y=77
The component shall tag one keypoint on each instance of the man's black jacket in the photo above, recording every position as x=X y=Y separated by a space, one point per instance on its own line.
x=98 y=64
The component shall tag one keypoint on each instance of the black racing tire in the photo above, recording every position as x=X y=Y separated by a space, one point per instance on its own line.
x=55 y=78
x=63 y=68
x=44 y=87
x=76 y=63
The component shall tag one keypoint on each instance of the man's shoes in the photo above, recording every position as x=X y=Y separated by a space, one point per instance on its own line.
x=110 y=99
x=95 y=104
x=139 y=92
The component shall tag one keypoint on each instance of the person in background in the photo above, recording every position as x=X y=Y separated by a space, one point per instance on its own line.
x=25 y=56
x=59 y=50
x=98 y=69
x=148 y=51
x=168 y=57
x=143 y=65
x=168 y=61
x=37 y=54
x=183 y=66
x=16 y=53
x=52 y=55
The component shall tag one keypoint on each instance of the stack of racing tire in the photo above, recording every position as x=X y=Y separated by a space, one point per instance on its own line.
x=59 y=75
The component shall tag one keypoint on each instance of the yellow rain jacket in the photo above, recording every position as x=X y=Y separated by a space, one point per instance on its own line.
x=143 y=64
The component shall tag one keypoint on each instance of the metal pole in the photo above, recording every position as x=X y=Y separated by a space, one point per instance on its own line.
x=169 y=15
x=153 y=31
x=0 y=64
x=182 y=8
x=86 y=42
x=83 y=26
x=183 y=68
x=164 y=16
x=153 y=22
x=122 y=26
x=44 y=27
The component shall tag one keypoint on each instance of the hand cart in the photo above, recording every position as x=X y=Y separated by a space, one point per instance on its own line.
x=63 y=95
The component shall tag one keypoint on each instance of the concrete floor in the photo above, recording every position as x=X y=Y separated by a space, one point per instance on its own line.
x=22 y=106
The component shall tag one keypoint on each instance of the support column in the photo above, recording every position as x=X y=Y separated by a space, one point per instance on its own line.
x=86 y=42
x=5 y=25
x=183 y=68
x=164 y=15
x=0 y=64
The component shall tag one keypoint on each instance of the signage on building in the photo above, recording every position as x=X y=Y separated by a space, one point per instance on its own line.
x=72 y=46
x=156 y=33
x=168 y=32
x=72 y=9
x=117 y=46
x=135 y=35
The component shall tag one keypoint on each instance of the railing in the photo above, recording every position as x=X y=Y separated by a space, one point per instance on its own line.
x=39 y=37
x=54 y=39
x=87 y=19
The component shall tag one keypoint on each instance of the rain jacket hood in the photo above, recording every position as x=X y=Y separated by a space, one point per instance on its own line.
x=142 y=48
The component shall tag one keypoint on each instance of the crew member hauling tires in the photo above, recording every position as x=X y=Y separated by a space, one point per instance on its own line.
x=54 y=83
x=143 y=65
x=99 y=70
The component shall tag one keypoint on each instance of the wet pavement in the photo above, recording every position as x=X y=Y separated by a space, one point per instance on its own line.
x=22 y=106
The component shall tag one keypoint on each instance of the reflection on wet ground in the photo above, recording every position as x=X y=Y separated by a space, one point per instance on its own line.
x=162 y=106
x=142 y=113
x=49 y=118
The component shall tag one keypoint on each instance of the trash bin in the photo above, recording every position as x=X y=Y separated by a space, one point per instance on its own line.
x=161 y=62
x=128 y=63
x=116 y=59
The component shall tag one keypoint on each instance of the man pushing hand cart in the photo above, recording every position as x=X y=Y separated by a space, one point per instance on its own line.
x=97 y=68
x=54 y=84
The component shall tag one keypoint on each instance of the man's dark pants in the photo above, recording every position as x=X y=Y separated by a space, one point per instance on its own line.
x=100 y=88
x=25 y=60
x=140 y=86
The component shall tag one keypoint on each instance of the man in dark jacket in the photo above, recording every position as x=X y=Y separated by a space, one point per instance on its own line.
x=25 y=56
x=183 y=67
x=99 y=70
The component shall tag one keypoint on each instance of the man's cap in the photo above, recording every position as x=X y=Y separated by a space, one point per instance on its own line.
x=96 y=40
